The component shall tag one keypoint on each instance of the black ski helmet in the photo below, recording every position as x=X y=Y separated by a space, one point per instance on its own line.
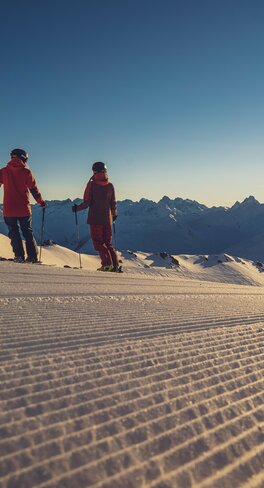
x=20 y=153
x=99 y=167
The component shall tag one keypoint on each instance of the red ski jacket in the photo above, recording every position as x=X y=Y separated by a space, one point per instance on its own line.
x=99 y=196
x=18 y=181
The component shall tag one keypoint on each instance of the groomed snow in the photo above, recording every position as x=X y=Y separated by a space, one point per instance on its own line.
x=150 y=378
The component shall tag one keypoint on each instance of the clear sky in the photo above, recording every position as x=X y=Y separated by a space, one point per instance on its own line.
x=169 y=93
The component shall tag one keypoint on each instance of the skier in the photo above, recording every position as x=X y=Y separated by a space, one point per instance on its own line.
x=99 y=196
x=18 y=181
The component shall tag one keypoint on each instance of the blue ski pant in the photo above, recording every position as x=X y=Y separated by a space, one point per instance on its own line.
x=25 y=224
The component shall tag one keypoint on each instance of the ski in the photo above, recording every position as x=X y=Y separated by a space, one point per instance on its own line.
x=38 y=263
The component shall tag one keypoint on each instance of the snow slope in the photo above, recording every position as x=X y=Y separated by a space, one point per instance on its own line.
x=222 y=267
x=151 y=378
x=53 y=255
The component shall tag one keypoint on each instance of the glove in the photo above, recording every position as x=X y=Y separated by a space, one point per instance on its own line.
x=74 y=208
x=115 y=217
x=43 y=204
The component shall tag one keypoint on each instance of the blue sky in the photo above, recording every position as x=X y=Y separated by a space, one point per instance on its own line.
x=169 y=93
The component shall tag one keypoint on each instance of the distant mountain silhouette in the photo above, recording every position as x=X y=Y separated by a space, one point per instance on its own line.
x=175 y=226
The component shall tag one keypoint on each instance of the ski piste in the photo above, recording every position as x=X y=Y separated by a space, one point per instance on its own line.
x=31 y=263
x=40 y=263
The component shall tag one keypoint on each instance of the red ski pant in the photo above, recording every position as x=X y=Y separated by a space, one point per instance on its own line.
x=102 y=236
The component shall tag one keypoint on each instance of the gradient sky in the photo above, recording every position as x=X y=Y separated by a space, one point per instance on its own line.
x=169 y=93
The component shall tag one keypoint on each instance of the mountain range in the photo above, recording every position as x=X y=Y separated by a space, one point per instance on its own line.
x=176 y=226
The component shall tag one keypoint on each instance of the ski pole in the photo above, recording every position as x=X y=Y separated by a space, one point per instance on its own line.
x=114 y=228
x=42 y=232
x=78 y=237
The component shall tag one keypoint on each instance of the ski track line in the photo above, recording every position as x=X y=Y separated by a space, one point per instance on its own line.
x=140 y=330
x=238 y=472
x=184 y=415
x=110 y=326
x=141 y=449
x=132 y=405
x=47 y=348
x=134 y=409
x=49 y=376
x=255 y=482
x=132 y=388
x=130 y=455
x=124 y=352
x=84 y=321
x=146 y=373
x=120 y=377
x=37 y=348
x=56 y=482
x=126 y=406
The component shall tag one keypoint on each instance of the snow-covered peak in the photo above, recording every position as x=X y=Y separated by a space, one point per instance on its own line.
x=250 y=201
x=182 y=205
x=166 y=200
x=247 y=202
